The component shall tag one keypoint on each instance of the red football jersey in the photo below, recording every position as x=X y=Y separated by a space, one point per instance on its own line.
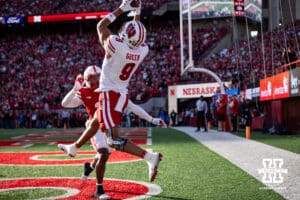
x=90 y=100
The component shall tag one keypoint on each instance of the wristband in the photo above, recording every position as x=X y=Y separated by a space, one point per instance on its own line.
x=111 y=17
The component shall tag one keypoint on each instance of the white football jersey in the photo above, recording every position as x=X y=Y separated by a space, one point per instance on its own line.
x=119 y=68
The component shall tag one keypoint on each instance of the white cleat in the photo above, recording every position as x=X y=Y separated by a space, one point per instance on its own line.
x=84 y=178
x=69 y=149
x=104 y=197
x=153 y=162
x=101 y=196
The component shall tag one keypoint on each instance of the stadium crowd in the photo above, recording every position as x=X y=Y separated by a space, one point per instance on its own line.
x=30 y=64
x=39 y=7
x=249 y=62
x=36 y=70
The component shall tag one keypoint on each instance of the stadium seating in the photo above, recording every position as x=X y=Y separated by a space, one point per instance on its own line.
x=37 y=70
x=39 y=7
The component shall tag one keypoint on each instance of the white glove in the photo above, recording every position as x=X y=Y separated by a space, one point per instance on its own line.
x=159 y=122
x=78 y=82
x=129 y=5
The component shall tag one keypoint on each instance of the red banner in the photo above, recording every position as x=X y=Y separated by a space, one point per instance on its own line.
x=239 y=7
x=275 y=87
x=66 y=17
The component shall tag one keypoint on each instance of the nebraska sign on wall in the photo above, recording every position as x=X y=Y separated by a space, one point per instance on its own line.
x=275 y=87
x=196 y=90
x=191 y=91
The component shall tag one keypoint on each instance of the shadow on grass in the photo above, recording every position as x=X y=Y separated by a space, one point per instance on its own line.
x=154 y=196
x=168 y=197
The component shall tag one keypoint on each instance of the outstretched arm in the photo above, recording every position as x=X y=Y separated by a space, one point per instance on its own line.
x=71 y=100
x=102 y=27
x=137 y=12
x=144 y=115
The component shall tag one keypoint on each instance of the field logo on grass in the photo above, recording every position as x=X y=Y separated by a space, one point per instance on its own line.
x=272 y=170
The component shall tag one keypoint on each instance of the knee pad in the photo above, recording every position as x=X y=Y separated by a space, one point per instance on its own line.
x=117 y=143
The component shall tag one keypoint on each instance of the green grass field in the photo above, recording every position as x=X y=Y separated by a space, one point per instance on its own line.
x=287 y=142
x=188 y=171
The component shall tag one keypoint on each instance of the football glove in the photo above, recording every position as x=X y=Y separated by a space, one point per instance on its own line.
x=78 y=82
x=129 y=5
x=159 y=122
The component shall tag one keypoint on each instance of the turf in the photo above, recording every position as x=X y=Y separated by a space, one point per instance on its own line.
x=287 y=142
x=188 y=171
x=31 y=194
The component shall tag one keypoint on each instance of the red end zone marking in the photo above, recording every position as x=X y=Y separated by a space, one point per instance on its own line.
x=139 y=141
x=26 y=143
x=117 y=189
x=143 y=134
x=61 y=134
x=15 y=143
x=135 y=131
x=26 y=158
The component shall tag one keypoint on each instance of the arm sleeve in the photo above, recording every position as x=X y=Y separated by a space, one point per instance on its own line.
x=111 y=44
x=71 y=100
x=139 y=111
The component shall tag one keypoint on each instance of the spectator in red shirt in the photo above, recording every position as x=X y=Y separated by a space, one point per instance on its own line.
x=221 y=112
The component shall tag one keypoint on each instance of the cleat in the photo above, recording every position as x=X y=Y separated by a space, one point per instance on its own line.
x=87 y=169
x=69 y=149
x=101 y=196
x=153 y=162
x=84 y=178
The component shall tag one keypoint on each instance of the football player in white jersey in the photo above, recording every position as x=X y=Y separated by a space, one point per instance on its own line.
x=123 y=55
x=84 y=93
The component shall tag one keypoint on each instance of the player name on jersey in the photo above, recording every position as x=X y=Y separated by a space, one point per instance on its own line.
x=133 y=57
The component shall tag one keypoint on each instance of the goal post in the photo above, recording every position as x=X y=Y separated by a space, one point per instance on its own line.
x=188 y=65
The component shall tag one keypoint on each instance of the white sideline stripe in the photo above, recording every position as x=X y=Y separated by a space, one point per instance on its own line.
x=70 y=191
x=248 y=155
x=154 y=189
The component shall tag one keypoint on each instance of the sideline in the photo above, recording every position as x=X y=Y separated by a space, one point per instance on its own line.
x=249 y=154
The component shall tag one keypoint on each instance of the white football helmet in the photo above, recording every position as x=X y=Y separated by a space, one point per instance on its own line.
x=133 y=33
x=89 y=73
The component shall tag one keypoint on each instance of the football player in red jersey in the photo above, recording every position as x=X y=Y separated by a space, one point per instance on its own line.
x=124 y=53
x=85 y=93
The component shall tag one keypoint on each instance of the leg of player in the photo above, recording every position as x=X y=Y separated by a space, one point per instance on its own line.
x=152 y=159
x=103 y=155
x=122 y=144
x=91 y=130
x=88 y=168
